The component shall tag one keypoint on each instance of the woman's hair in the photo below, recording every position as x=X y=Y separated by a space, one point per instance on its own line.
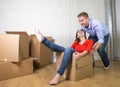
x=77 y=39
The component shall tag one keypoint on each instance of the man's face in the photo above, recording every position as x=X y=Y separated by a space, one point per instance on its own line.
x=84 y=21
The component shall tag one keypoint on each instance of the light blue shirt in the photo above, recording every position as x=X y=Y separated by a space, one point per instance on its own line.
x=96 y=28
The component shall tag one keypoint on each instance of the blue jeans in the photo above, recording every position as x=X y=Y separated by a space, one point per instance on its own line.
x=101 y=50
x=66 y=57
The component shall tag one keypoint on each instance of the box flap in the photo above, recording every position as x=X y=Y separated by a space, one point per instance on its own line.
x=83 y=61
x=17 y=32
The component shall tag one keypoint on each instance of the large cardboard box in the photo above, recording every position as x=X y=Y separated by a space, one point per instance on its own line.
x=10 y=70
x=77 y=74
x=17 y=32
x=39 y=50
x=14 y=47
x=77 y=69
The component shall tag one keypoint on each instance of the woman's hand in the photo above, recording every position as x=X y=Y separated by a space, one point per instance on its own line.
x=76 y=55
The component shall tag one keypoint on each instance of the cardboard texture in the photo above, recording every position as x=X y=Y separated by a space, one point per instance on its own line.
x=40 y=51
x=14 y=47
x=10 y=70
x=16 y=32
x=77 y=69
x=81 y=73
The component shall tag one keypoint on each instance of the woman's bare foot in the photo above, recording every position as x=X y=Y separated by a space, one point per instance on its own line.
x=39 y=35
x=55 y=80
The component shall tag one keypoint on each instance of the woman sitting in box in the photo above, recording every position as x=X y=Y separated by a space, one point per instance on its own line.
x=80 y=47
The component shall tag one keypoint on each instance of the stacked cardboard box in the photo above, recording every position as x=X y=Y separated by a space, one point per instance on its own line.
x=77 y=69
x=17 y=50
x=10 y=70
x=14 y=47
x=39 y=50
x=14 y=55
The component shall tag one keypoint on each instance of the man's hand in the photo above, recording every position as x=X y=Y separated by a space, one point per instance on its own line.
x=96 y=47
x=92 y=51
x=76 y=55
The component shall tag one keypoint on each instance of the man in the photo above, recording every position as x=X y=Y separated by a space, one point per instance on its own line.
x=99 y=33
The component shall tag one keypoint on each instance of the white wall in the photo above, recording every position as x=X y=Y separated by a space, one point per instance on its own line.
x=118 y=29
x=57 y=18
x=52 y=17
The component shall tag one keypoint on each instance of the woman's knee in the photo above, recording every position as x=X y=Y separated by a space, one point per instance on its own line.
x=68 y=49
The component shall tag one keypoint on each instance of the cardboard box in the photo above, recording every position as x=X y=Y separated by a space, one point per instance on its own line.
x=39 y=50
x=14 y=47
x=80 y=73
x=77 y=69
x=10 y=70
x=16 y=32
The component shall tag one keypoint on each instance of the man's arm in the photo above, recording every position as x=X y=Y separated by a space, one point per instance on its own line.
x=96 y=47
x=100 y=36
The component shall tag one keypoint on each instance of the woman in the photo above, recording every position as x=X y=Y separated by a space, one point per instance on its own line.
x=80 y=47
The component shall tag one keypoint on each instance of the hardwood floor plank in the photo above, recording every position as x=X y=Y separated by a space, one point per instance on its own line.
x=101 y=78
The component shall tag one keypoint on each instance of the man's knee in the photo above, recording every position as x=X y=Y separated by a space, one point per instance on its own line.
x=101 y=51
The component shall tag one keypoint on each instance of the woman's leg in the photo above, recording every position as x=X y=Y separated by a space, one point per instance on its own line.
x=65 y=61
x=47 y=43
x=67 y=57
x=52 y=46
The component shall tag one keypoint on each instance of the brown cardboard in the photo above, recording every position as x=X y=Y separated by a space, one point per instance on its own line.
x=59 y=56
x=81 y=73
x=78 y=63
x=14 y=47
x=10 y=70
x=40 y=51
x=78 y=68
x=16 y=32
x=82 y=61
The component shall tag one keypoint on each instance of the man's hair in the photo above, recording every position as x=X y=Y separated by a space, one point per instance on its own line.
x=83 y=14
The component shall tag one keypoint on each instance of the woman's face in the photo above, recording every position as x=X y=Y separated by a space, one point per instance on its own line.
x=80 y=33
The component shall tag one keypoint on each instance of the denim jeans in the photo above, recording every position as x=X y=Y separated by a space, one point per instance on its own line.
x=66 y=57
x=101 y=51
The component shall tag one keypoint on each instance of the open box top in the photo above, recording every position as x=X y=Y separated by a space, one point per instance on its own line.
x=17 y=32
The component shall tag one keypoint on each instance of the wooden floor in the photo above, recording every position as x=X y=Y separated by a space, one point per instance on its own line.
x=101 y=78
